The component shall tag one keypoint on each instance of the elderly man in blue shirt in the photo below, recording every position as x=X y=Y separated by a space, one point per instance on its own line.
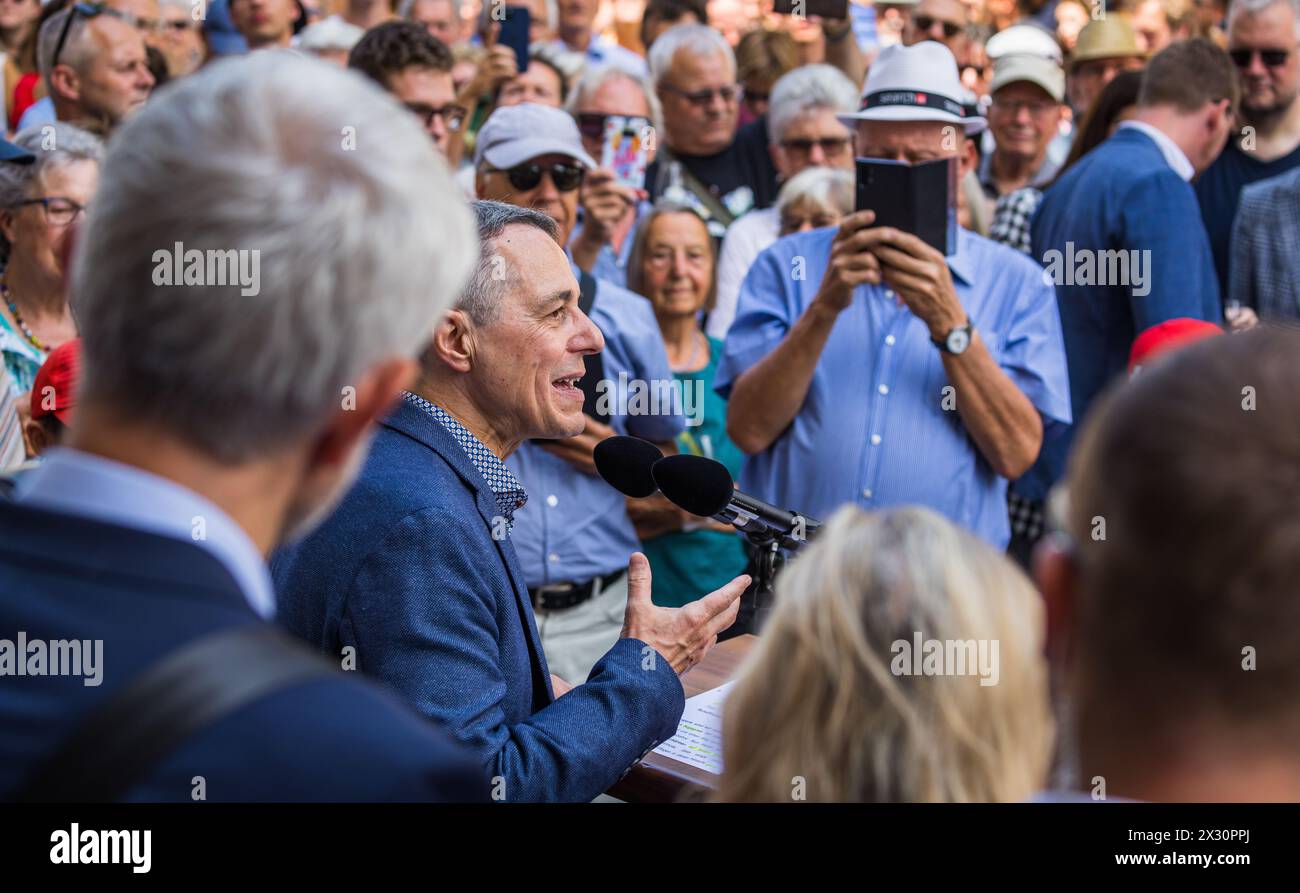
x=864 y=366
x=574 y=536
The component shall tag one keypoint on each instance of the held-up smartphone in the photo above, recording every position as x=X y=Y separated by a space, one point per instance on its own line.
x=514 y=33
x=827 y=9
x=916 y=198
x=624 y=151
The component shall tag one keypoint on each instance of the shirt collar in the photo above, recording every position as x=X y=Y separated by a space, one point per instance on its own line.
x=509 y=494
x=962 y=263
x=1174 y=156
x=89 y=486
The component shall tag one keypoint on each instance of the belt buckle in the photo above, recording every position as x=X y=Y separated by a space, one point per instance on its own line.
x=540 y=593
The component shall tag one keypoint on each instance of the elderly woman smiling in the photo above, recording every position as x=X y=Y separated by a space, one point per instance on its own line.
x=673 y=264
x=39 y=202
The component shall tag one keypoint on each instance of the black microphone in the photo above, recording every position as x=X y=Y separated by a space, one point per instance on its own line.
x=704 y=487
x=625 y=464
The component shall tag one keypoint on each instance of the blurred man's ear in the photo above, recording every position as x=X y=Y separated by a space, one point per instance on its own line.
x=1056 y=575
x=360 y=407
x=968 y=156
x=65 y=82
x=36 y=438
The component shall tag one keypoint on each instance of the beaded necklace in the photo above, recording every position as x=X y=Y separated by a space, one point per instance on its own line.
x=18 y=317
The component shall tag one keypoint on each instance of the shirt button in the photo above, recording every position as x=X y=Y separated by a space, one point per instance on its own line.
x=889 y=293
x=866 y=494
x=890 y=339
x=552 y=501
x=875 y=439
x=884 y=389
x=552 y=558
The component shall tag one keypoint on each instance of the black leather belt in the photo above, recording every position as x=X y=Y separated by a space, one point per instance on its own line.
x=562 y=596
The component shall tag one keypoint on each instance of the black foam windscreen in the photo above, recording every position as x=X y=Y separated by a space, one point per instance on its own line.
x=625 y=463
x=700 y=485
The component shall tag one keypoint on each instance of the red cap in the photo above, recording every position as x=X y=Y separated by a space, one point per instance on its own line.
x=1167 y=336
x=55 y=390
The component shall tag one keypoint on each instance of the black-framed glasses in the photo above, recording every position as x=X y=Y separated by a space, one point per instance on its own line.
x=59 y=211
x=566 y=177
x=1270 y=58
x=729 y=94
x=926 y=23
x=831 y=146
x=451 y=114
x=592 y=124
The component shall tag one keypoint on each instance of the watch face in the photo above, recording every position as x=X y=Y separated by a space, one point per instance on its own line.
x=958 y=340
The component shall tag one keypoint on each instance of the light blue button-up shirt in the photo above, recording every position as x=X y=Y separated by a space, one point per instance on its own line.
x=877 y=427
x=611 y=265
x=575 y=526
x=76 y=483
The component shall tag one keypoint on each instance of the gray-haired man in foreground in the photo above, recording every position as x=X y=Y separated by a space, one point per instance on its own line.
x=217 y=416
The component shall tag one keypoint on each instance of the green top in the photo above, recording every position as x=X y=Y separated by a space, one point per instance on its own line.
x=686 y=565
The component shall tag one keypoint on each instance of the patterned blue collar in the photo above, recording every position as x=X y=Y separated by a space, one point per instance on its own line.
x=509 y=493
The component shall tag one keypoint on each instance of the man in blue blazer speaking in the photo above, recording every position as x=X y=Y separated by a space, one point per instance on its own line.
x=415 y=577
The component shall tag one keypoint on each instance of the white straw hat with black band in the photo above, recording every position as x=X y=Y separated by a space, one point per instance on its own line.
x=916 y=83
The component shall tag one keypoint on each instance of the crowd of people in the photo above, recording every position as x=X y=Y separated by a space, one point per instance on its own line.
x=314 y=316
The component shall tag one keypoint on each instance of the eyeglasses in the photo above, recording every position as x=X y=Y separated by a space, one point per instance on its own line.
x=1036 y=106
x=831 y=146
x=58 y=211
x=592 y=124
x=925 y=23
x=526 y=176
x=89 y=10
x=702 y=98
x=756 y=96
x=1270 y=58
x=177 y=25
x=452 y=115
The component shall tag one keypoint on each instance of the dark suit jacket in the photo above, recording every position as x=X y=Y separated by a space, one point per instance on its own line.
x=408 y=572
x=325 y=739
x=1120 y=198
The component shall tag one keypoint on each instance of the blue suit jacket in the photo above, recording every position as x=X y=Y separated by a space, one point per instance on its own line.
x=327 y=739
x=1121 y=196
x=408 y=573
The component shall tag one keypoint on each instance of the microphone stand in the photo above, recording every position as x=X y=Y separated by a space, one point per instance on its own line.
x=768 y=561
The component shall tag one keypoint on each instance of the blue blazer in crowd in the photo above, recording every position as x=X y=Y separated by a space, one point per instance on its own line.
x=1121 y=196
x=407 y=573
x=145 y=595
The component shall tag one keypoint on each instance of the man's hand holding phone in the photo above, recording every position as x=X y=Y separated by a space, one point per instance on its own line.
x=851 y=262
x=604 y=203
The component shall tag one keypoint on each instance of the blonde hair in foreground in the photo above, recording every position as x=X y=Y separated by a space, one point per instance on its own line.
x=816 y=712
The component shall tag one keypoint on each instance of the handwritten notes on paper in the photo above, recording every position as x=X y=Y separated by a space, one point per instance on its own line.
x=698 y=741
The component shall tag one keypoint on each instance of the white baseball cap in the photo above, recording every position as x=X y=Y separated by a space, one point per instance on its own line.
x=916 y=83
x=1036 y=70
x=516 y=133
x=1023 y=40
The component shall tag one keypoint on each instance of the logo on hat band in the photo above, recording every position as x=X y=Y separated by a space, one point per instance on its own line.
x=913 y=98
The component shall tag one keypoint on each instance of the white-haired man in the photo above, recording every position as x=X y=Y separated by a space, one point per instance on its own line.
x=602 y=241
x=704 y=161
x=95 y=66
x=230 y=384
x=576 y=35
x=805 y=132
x=866 y=367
